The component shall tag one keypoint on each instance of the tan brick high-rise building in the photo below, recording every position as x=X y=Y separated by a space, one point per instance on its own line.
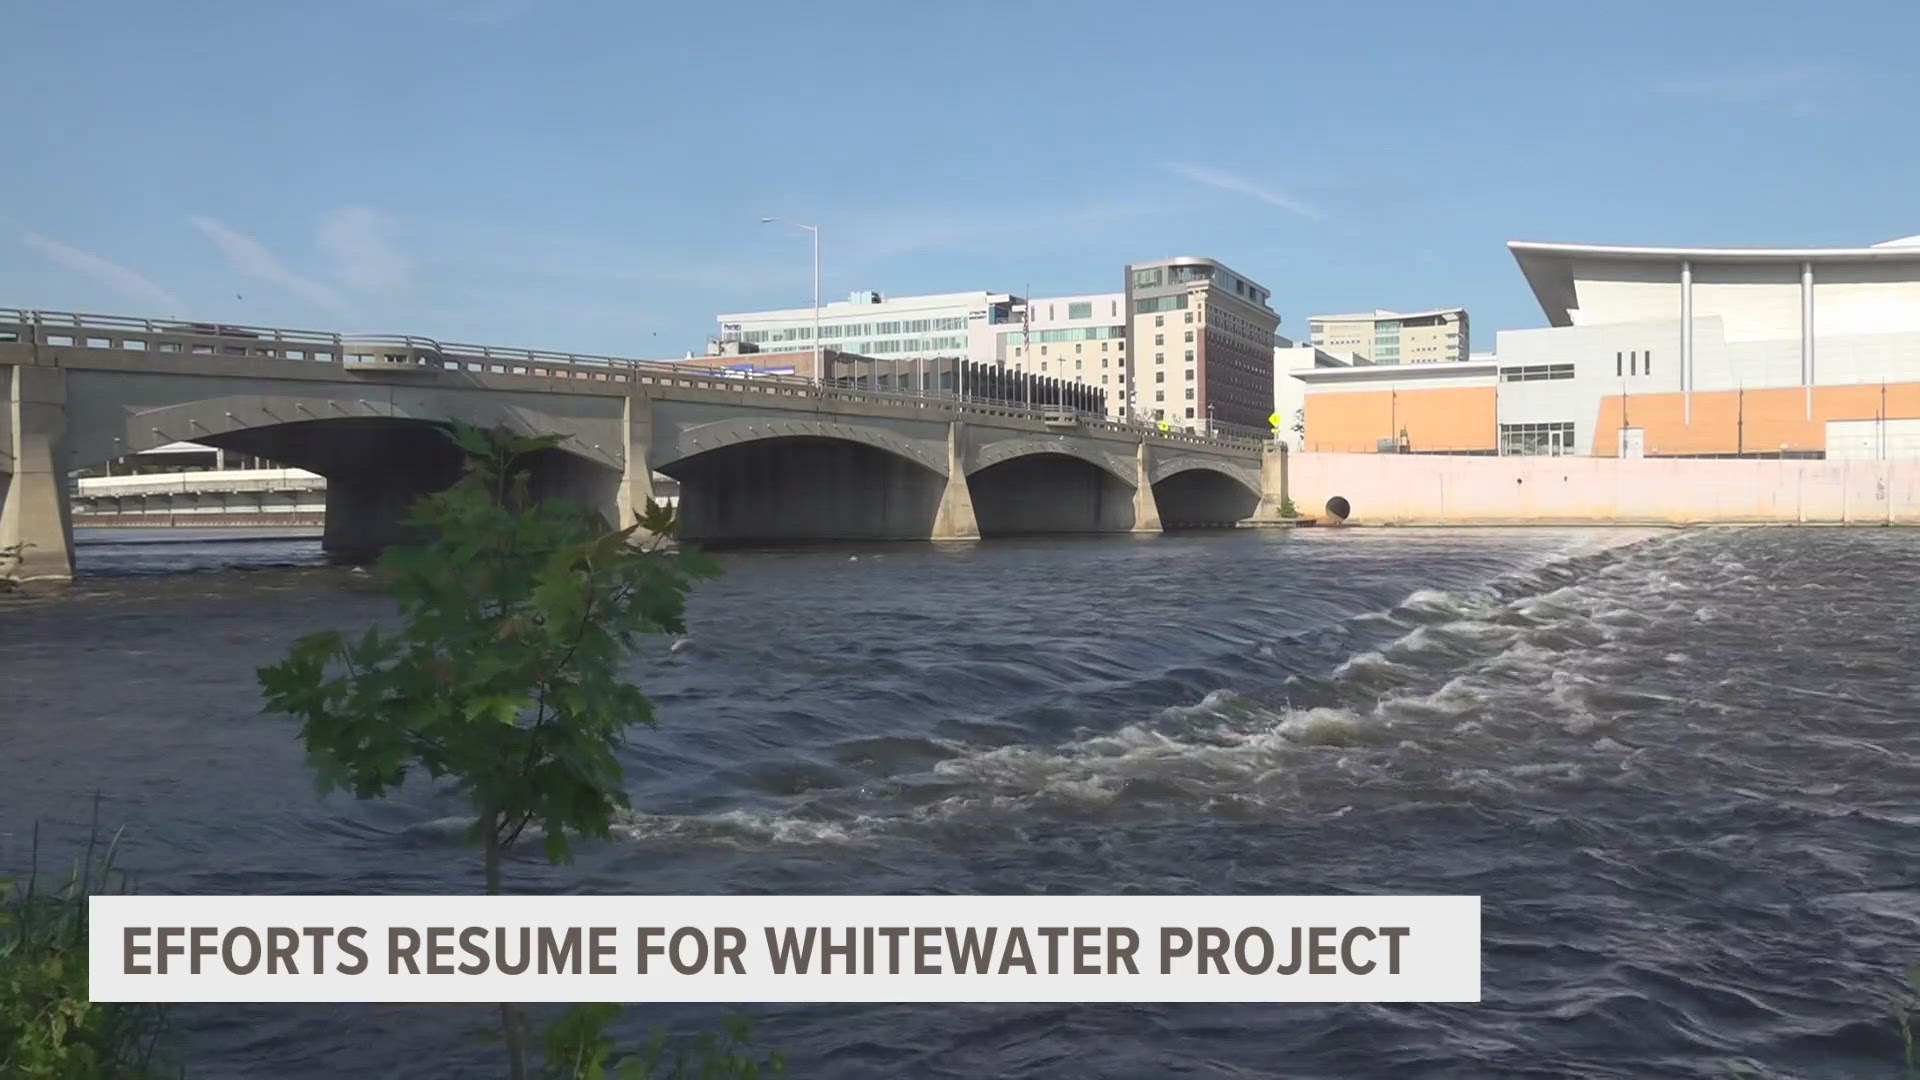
x=1200 y=340
x=1394 y=337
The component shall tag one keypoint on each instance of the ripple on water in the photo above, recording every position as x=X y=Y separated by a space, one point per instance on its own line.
x=1678 y=768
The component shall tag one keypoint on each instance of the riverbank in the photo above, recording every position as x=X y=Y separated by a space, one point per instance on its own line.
x=1464 y=490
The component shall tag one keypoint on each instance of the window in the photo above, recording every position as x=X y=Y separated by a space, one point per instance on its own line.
x=1159 y=395
x=1633 y=363
x=1548 y=440
x=1189 y=374
x=1076 y=346
x=1536 y=372
x=1189 y=393
x=1159 y=303
x=1646 y=363
x=1189 y=335
x=1083 y=310
x=1159 y=358
x=1146 y=279
x=1159 y=320
x=1189 y=356
x=1189 y=316
x=1159 y=339
x=1189 y=412
x=1159 y=376
x=1617 y=368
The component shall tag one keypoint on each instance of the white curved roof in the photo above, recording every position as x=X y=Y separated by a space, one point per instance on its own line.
x=1549 y=268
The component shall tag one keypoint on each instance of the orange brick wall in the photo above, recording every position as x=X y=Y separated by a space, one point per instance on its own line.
x=1440 y=418
x=1726 y=421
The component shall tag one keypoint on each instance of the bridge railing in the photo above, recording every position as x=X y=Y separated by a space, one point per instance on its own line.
x=405 y=351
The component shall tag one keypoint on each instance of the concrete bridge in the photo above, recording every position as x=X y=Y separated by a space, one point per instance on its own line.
x=757 y=459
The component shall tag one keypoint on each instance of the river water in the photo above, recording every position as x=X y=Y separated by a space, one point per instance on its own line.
x=1680 y=767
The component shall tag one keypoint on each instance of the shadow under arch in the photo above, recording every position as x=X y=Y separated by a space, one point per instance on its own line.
x=804 y=487
x=377 y=468
x=1049 y=493
x=1203 y=497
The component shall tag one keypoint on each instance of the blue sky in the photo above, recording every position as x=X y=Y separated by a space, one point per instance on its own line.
x=591 y=175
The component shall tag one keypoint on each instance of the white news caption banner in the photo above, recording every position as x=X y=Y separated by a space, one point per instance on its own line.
x=785 y=948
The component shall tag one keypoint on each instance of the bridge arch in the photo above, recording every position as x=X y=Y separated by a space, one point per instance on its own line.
x=1196 y=493
x=1051 y=491
x=1116 y=464
x=676 y=446
x=805 y=486
x=379 y=454
x=232 y=419
x=1165 y=467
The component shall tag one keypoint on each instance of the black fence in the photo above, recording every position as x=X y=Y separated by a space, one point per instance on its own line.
x=964 y=378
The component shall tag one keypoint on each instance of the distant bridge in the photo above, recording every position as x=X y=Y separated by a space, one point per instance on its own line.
x=757 y=459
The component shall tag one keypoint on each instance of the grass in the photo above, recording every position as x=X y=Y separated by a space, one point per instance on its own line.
x=49 y=1028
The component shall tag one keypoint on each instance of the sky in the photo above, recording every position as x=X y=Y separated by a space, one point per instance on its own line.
x=591 y=176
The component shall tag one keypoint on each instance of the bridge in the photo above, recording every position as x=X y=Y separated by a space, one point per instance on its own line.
x=757 y=459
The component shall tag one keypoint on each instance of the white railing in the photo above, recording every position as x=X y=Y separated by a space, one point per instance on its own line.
x=405 y=351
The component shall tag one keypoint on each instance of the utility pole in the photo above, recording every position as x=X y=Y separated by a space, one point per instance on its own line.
x=1621 y=451
x=1883 y=419
x=1740 y=424
x=819 y=354
x=1026 y=338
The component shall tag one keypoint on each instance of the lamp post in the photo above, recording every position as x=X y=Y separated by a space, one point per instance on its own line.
x=819 y=354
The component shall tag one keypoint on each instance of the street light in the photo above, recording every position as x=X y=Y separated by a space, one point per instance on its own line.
x=819 y=373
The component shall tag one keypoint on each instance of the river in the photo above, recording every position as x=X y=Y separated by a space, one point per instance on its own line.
x=1680 y=766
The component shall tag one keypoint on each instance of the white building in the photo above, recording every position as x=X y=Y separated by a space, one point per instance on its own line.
x=889 y=328
x=1658 y=351
x=1079 y=338
x=1395 y=337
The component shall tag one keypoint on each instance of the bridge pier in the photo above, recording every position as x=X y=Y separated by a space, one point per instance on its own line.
x=636 y=481
x=366 y=512
x=1273 y=484
x=954 y=520
x=1146 y=509
x=34 y=510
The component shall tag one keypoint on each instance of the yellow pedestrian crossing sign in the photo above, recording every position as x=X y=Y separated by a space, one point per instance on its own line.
x=1273 y=421
x=1164 y=426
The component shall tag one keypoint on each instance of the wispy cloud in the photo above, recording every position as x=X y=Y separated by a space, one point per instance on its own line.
x=133 y=285
x=366 y=258
x=1240 y=185
x=1797 y=88
x=475 y=12
x=252 y=258
x=879 y=233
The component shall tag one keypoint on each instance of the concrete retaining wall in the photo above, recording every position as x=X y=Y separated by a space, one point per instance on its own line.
x=1409 y=489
